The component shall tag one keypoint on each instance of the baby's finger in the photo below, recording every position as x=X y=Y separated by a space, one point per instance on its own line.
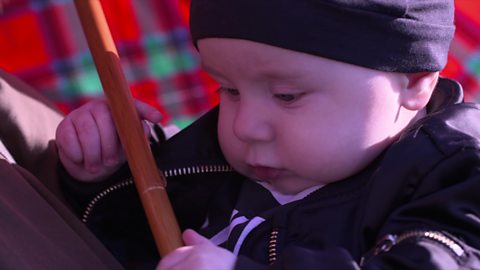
x=89 y=137
x=148 y=112
x=174 y=258
x=147 y=128
x=110 y=143
x=68 y=142
x=190 y=237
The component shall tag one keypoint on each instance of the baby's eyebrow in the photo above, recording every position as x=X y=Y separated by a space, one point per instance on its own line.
x=274 y=74
x=285 y=75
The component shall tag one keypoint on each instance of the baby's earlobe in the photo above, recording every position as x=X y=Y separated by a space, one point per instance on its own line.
x=419 y=89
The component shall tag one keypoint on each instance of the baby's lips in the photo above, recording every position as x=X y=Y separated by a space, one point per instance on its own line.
x=265 y=173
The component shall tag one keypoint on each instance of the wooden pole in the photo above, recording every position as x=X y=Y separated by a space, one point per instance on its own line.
x=149 y=181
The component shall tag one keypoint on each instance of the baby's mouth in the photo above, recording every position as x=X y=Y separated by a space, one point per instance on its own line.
x=265 y=173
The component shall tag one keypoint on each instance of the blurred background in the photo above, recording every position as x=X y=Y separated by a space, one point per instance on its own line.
x=42 y=43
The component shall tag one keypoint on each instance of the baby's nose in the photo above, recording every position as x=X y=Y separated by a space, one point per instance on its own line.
x=252 y=123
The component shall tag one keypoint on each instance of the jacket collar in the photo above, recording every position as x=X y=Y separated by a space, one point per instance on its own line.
x=447 y=92
x=195 y=145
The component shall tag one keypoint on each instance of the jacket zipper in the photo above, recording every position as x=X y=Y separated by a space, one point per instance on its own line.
x=272 y=246
x=168 y=173
x=441 y=238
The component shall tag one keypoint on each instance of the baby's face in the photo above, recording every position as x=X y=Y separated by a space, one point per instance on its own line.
x=295 y=120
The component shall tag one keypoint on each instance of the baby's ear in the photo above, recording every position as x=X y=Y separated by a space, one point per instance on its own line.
x=418 y=90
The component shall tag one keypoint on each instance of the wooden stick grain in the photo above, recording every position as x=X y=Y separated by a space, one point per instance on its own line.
x=149 y=181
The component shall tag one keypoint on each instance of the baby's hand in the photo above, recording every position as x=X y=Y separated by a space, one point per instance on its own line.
x=198 y=254
x=88 y=144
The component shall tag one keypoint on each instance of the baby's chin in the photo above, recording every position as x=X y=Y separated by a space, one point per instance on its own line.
x=283 y=187
x=285 y=183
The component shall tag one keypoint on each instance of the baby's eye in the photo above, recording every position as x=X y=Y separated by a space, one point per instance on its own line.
x=230 y=94
x=229 y=91
x=287 y=98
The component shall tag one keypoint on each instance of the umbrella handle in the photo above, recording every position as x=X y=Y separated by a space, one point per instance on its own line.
x=149 y=181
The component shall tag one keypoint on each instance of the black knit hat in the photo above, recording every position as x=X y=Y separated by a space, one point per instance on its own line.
x=388 y=35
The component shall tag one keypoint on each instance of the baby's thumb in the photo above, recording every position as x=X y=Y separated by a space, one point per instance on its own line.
x=190 y=237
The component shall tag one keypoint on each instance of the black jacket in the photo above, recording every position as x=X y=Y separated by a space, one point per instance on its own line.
x=416 y=207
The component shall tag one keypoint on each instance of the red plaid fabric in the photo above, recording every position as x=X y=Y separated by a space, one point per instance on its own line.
x=464 y=58
x=41 y=42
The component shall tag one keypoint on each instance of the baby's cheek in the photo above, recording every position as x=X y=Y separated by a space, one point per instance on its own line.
x=235 y=157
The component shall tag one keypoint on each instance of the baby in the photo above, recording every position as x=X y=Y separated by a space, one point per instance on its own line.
x=335 y=145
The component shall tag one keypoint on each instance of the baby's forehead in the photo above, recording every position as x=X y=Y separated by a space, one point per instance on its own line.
x=399 y=36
